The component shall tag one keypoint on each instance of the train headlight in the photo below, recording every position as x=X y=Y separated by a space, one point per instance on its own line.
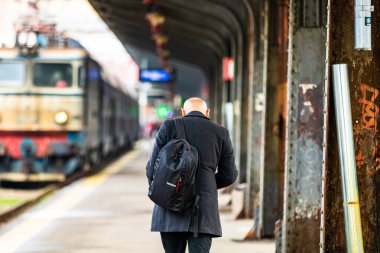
x=61 y=118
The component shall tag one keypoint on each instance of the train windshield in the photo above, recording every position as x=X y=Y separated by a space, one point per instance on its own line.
x=12 y=74
x=58 y=75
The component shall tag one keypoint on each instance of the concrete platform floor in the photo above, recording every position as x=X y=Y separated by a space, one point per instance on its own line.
x=107 y=213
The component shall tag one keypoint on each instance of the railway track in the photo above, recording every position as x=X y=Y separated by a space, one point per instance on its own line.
x=13 y=202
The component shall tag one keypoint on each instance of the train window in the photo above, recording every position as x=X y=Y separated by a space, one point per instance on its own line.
x=12 y=74
x=81 y=76
x=59 y=75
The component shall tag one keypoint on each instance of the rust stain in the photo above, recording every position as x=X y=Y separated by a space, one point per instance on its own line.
x=310 y=112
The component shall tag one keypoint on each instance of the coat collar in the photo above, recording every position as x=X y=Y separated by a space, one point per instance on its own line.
x=196 y=114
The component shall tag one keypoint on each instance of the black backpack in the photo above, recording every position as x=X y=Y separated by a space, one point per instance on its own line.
x=174 y=174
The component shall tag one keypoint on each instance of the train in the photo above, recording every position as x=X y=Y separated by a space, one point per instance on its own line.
x=60 y=112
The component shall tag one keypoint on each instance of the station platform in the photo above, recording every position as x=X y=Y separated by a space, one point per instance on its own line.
x=108 y=213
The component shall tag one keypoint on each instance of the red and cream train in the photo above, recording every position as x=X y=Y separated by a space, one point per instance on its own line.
x=59 y=111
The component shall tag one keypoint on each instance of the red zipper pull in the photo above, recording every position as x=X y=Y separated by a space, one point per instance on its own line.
x=176 y=189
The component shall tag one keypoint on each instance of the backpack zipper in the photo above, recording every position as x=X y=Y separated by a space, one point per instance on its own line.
x=177 y=188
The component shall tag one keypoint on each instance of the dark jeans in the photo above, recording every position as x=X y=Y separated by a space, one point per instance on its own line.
x=176 y=242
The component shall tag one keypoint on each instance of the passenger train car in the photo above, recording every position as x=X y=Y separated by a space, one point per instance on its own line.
x=59 y=111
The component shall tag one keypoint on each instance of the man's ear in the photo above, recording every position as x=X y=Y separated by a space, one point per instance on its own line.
x=208 y=113
x=183 y=112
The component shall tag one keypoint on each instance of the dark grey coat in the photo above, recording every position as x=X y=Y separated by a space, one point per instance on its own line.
x=216 y=170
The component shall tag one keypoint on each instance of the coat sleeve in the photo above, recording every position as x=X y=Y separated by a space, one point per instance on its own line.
x=161 y=140
x=227 y=172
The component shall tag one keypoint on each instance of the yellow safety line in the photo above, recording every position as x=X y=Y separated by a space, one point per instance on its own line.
x=34 y=223
x=113 y=168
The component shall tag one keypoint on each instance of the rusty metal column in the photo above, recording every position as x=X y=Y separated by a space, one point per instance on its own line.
x=263 y=119
x=305 y=124
x=257 y=112
x=248 y=207
x=364 y=85
x=222 y=95
x=214 y=91
x=271 y=190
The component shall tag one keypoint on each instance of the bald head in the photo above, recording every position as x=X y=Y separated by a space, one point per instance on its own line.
x=195 y=104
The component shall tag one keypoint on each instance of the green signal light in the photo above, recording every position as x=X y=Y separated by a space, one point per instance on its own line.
x=162 y=111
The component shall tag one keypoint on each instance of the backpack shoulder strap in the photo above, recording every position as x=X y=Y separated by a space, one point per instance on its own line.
x=180 y=129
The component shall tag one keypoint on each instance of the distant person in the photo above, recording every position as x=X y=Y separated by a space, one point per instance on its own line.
x=216 y=170
x=58 y=80
x=155 y=128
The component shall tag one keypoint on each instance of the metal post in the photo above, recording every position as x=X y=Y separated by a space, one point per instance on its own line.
x=248 y=201
x=274 y=75
x=257 y=124
x=261 y=231
x=354 y=237
x=364 y=87
x=305 y=126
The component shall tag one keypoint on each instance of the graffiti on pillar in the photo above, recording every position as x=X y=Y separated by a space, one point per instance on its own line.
x=370 y=110
x=365 y=130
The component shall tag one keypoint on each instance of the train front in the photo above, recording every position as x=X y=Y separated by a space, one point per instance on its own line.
x=41 y=125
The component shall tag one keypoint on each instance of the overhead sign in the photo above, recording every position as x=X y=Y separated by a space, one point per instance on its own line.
x=155 y=76
x=151 y=97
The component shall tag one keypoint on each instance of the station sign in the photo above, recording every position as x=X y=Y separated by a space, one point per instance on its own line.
x=228 y=68
x=156 y=76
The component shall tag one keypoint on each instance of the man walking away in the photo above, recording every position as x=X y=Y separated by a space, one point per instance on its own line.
x=216 y=169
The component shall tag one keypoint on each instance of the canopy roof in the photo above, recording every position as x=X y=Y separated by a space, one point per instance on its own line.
x=201 y=32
